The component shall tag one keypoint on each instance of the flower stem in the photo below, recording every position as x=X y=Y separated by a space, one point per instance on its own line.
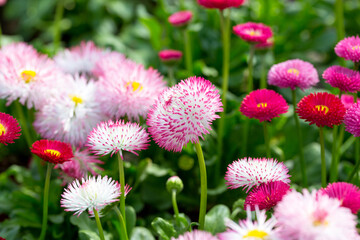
x=122 y=185
x=123 y=233
x=23 y=122
x=203 y=182
x=323 y=163
x=263 y=83
x=245 y=135
x=174 y=203
x=46 y=202
x=171 y=76
x=339 y=23
x=250 y=67
x=267 y=140
x=299 y=133
x=188 y=56
x=357 y=165
x=334 y=164
x=98 y=223
x=59 y=12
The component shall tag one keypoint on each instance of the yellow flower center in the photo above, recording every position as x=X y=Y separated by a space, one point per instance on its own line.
x=135 y=86
x=77 y=100
x=2 y=129
x=262 y=105
x=28 y=75
x=322 y=108
x=256 y=234
x=317 y=223
x=293 y=71
x=253 y=32
x=52 y=152
x=357 y=47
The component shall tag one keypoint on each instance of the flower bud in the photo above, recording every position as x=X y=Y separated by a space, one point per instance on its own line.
x=174 y=183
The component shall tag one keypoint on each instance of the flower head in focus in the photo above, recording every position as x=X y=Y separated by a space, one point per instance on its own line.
x=345 y=79
x=9 y=129
x=52 y=151
x=349 y=48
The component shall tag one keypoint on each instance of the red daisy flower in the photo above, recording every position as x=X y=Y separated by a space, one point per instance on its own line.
x=263 y=104
x=322 y=109
x=9 y=128
x=52 y=151
x=267 y=195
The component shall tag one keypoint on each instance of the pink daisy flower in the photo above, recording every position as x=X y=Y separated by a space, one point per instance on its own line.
x=268 y=43
x=180 y=18
x=263 y=104
x=347 y=100
x=347 y=193
x=345 y=79
x=196 y=235
x=253 y=32
x=111 y=61
x=184 y=113
x=261 y=229
x=112 y=137
x=220 y=4
x=267 y=195
x=52 y=151
x=9 y=129
x=314 y=216
x=170 y=56
x=250 y=172
x=292 y=74
x=352 y=120
x=349 y=48
x=2 y=2
x=130 y=90
x=27 y=75
x=322 y=109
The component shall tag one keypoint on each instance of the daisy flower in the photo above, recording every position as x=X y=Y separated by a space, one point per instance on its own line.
x=267 y=195
x=181 y=18
x=349 y=48
x=9 y=129
x=345 y=79
x=352 y=120
x=129 y=90
x=170 y=56
x=347 y=193
x=72 y=113
x=250 y=172
x=111 y=61
x=263 y=104
x=314 y=216
x=184 y=113
x=322 y=109
x=52 y=151
x=261 y=229
x=347 y=100
x=292 y=74
x=220 y=4
x=112 y=137
x=268 y=43
x=196 y=235
x=92 y=193
x=253 y=32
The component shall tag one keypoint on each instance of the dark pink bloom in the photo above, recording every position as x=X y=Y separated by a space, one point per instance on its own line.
x=253 y=32
x=263 y=104
x=267 y=195
x=52 y=151
x=347 y=193
x=180 y=18
x=345 y=79
x=9 y=128
x=347 y=100
x=352 y=120
x=349 y=48
x=221 y=4
x=268 y=43
x=170 y=55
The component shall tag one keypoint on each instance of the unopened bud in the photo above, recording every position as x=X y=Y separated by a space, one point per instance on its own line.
x=174 y=183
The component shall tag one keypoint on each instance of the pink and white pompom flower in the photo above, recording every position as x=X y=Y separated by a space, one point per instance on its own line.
x=112 y=137
x=250 y=172
x=345 y=79
x=349 y=48
x=253 y=32
x=292 y=74
x=184 y=113
x=196 y=235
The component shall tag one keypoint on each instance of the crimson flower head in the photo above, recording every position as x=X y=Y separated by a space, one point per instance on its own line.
x=322 y=109
x=253 y=32
x=221 y=4
x=349 y=48
x=181 y=18
x=52 y=151
x=345 y=79
x=263 y=104
x=9 y=129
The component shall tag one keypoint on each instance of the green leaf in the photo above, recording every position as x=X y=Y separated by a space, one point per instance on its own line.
x=214 y=219
x=163 y=228
x=130 y=219
x=141 y=233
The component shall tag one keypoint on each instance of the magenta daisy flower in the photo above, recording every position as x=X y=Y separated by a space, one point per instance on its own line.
x=292 y=74
x=263 y=104
x=349 y=48
x=170 y=55
x=184 y=113
x=250 y=172
x=253 y=32
x=352 y=120
x=347 y=100
x=112 y=137
x=322 y=109
x=52 y=151
x=180 y=18
x=267 y=195
x=196 y=235
x=9 y=129
x=345 y=79
x=347 y=193
x=220 y=4
x=314 y=216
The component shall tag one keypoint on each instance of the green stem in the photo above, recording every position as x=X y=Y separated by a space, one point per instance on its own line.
x=122 y=184
x=251 y=68
x=323 y=163
x=123 y=233
x=59 y=12
x=188 y=56
x=98 y=223
x=299 y=133
x=171 y=76
x=245 y=135
x=357 y=165
x=46 y=201
x=203 y=182
x=174 y=203
x=334 y=165
x=263 y=83
x=267 y=139
x=339 y=23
